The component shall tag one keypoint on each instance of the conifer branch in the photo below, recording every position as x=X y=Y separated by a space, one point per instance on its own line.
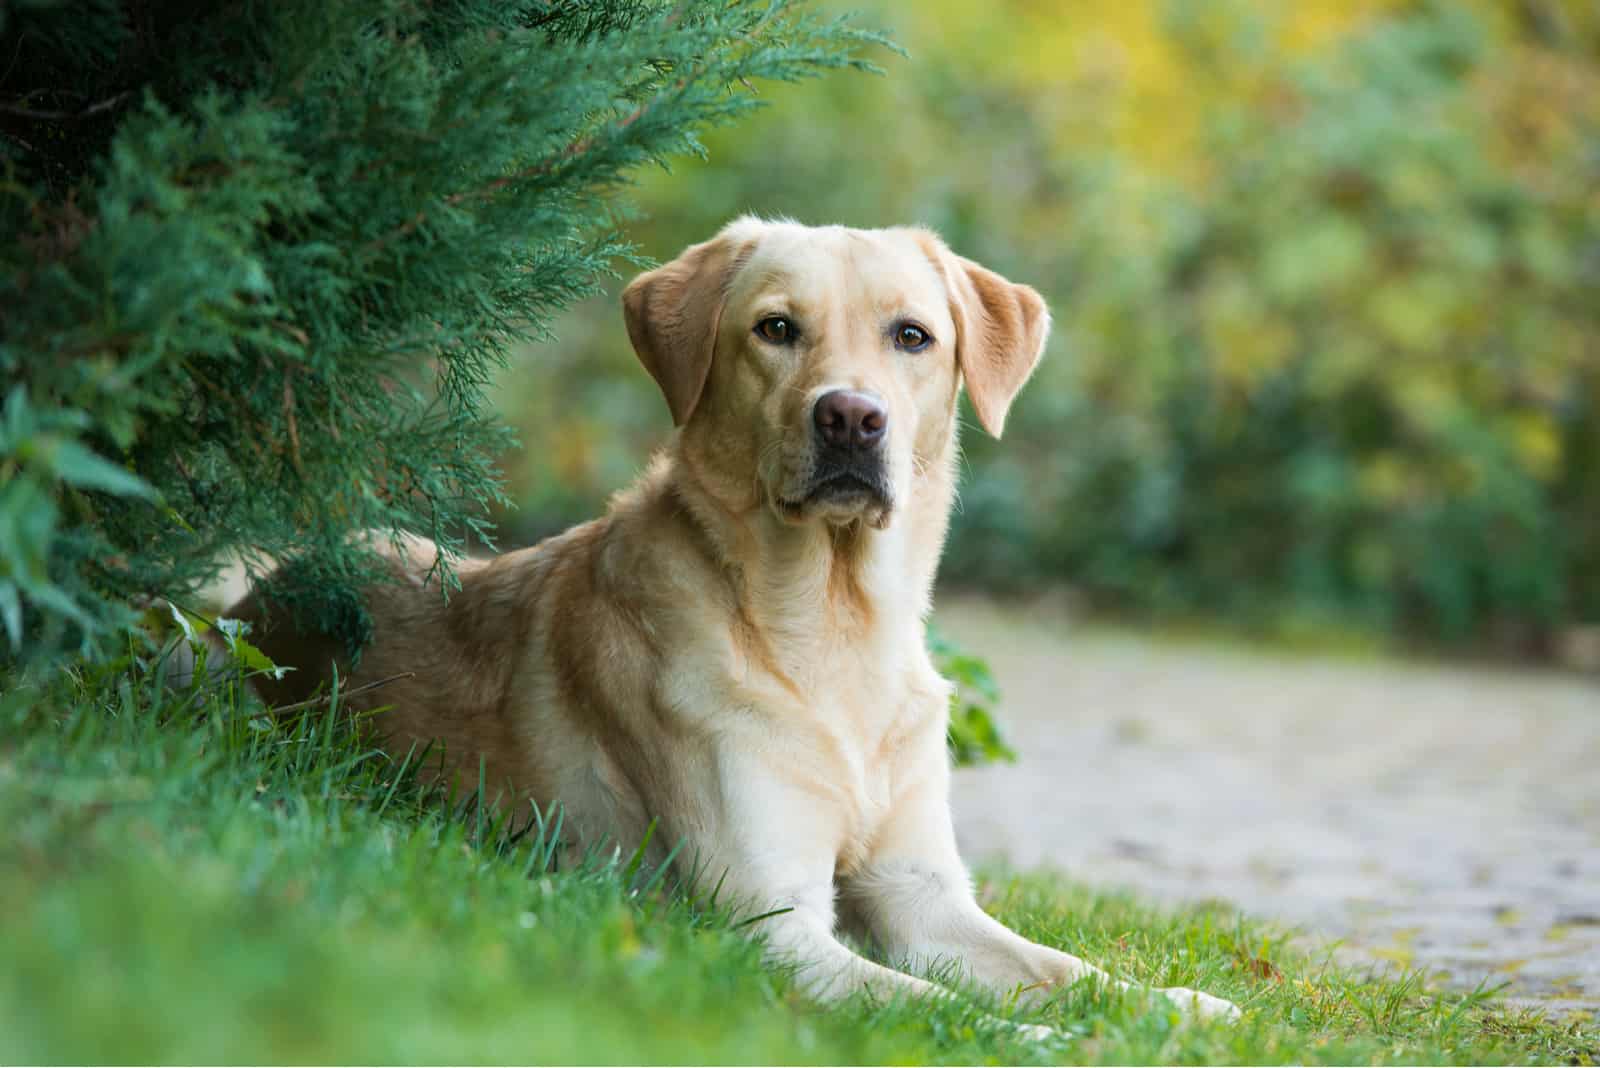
x=97 y=108
x=254 y=292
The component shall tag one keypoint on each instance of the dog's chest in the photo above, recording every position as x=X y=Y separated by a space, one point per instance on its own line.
x=812 y=737
x=870 y=722
x=859 y=716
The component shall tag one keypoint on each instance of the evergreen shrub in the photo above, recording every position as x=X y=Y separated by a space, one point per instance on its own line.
x=258 y=262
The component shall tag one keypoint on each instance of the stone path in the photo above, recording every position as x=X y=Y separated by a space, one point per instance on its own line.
x=1439 y=816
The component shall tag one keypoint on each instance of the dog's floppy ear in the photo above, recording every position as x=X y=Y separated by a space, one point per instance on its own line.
x=1001 y=328
x=673 y=313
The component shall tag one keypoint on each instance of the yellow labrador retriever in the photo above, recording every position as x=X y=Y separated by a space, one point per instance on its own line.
x=736 y=649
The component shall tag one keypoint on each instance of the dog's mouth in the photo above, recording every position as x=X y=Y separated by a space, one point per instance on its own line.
x=840 y=494
x=847 y=486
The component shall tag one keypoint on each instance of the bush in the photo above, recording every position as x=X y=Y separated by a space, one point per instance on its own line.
x=259 y=261
x=1354 y=371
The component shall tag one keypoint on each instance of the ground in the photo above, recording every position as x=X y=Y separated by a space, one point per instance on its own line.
x=1438 y=815
x=184 y=880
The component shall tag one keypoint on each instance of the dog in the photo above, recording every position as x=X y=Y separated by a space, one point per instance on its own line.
x=735 y=653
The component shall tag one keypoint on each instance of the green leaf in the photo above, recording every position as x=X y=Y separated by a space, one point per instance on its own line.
x=11 y=612
x=182 y=618
x=88 y=470
x=233 y=632
x=973 y=735
x=255 y=659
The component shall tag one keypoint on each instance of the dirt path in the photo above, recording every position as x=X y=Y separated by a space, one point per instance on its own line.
x=1444 y=817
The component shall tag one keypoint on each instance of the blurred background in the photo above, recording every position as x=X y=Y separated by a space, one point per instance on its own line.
x=1324 y=278
x=1325 y=370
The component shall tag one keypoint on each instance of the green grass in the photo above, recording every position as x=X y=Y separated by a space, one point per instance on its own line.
x=182 y=883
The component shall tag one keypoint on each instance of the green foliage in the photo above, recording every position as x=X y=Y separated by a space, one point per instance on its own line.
x=1354 y=369
x=1325 y=328
x=44 y=461
x=258 y=263
x=187 y=881
x=974 y=735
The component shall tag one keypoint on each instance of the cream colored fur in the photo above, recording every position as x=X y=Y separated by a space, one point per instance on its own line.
x=720 y=655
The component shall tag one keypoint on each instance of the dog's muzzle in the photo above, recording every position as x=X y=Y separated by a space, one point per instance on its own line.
x=849 y=469
x=848 y=479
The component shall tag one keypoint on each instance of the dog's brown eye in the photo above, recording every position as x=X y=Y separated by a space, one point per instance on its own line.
x=911 y=338
x=776 y=329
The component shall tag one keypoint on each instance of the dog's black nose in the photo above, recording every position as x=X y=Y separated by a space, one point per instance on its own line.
x=848 y=418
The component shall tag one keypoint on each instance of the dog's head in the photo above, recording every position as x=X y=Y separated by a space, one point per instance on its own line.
x=815 y=369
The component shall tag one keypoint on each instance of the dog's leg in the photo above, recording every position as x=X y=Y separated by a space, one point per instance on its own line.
x=799 y=934
x=768 y=862
x=914 y=897
x=802 y=938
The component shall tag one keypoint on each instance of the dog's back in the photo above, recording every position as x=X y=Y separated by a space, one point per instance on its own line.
x=438 y=670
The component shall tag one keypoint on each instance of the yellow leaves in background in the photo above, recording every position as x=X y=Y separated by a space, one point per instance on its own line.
x=1250 y=340
x=1385 y=477
x=572 y=455
x=1537 y=442
x=1411 y=312
x=1541 y=104
x=1323 y=255
x=1120 y=70
x=1425 y=398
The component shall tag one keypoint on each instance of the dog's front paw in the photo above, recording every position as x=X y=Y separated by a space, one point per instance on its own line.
x=1018 y=1029
x=1036 y=1032
x=1199 y=1005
